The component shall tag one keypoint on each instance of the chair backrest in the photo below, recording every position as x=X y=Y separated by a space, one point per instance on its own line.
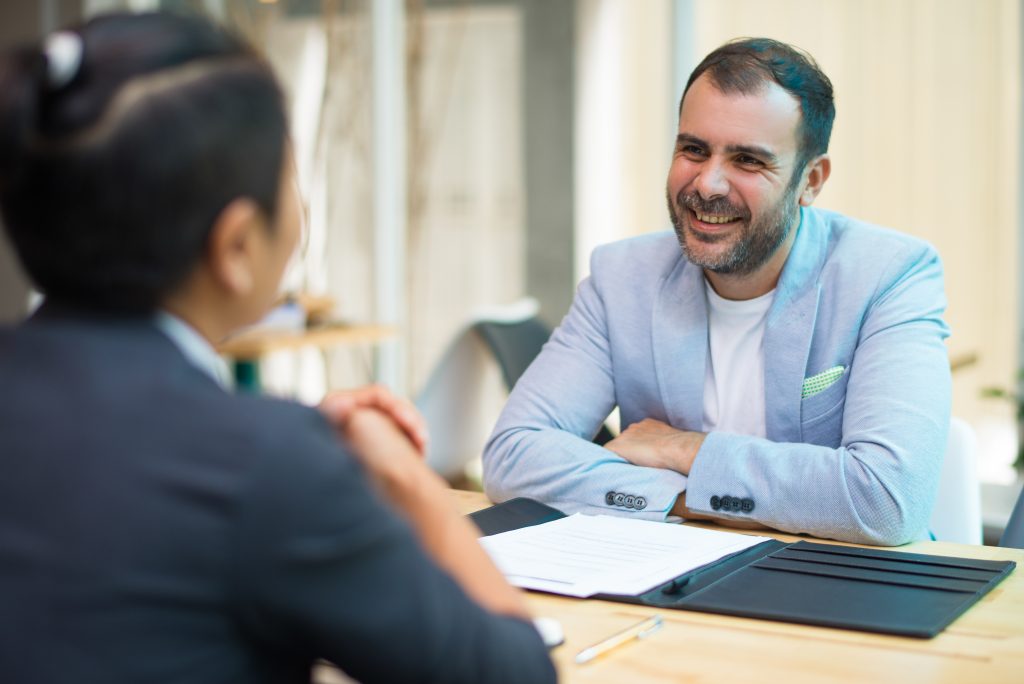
x=464 y=394
x=515 y=344
x=460 y=401
x=1013 y=535
x=458 y=406
x=957 y=513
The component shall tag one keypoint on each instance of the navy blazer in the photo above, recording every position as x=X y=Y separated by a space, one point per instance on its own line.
x=154 y=528
x=856 y=460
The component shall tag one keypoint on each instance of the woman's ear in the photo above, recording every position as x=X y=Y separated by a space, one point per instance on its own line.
x=234 y=246
x=818 y=172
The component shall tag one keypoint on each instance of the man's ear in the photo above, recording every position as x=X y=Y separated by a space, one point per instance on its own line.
x=818 y=171
x=234 y=245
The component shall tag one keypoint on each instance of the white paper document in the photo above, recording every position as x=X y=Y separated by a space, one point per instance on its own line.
x=582 y=555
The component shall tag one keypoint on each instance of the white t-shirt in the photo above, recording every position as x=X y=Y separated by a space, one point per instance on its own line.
x=734 y=381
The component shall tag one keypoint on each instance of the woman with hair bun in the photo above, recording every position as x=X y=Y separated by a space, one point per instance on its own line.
x=155 y=527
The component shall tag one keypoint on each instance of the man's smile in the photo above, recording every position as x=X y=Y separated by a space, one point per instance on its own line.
x=713 y=219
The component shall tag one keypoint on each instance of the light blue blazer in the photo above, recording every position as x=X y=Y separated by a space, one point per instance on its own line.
x=858 y=461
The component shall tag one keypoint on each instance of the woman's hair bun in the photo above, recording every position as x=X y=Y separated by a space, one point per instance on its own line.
x=121 y=141
x=63 y=51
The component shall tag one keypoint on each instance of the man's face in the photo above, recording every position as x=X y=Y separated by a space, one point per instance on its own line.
x=733 y=184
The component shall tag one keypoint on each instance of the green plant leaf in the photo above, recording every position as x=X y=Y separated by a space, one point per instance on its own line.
x=997 y=393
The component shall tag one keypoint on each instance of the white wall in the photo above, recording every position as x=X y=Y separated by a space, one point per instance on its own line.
x=465 y=238
x=624 y=118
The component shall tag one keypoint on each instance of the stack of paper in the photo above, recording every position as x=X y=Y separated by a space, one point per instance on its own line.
x=583 y=555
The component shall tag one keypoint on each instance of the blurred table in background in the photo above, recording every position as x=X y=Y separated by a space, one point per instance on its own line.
x=300 y=321
x=253 y=345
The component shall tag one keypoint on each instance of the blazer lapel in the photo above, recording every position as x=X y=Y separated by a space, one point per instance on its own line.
x=680 y=345
x=789 y=330
x=787 y=342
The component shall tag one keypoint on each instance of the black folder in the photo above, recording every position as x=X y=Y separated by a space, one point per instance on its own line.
x=871 y=590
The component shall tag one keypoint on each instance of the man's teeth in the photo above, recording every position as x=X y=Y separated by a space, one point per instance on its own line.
x=708 y=218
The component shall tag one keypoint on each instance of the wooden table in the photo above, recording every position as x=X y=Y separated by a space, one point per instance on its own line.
x=246 y=350
x=251 y=346
x=983 y=646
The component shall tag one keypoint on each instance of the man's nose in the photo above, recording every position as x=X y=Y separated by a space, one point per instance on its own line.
x=711 y=182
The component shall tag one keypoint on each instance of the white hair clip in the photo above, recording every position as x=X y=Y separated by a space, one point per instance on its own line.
x=63 y=51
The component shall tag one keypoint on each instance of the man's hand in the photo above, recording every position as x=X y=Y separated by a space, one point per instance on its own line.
x=339 y=407
x=655 y=444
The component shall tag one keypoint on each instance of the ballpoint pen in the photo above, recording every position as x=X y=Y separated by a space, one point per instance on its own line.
x=637 y=631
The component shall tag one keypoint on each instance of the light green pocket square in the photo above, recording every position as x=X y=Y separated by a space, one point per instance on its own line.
x=822 y=381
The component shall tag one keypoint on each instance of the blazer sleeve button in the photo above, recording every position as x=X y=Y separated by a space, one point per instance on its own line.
x=716 y=503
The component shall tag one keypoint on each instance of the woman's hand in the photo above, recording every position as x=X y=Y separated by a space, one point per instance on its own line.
x=339 y=407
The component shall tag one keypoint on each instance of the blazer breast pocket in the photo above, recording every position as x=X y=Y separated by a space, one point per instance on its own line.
x=821 y=414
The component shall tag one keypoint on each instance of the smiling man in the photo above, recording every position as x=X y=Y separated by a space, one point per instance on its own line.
x=774 y=364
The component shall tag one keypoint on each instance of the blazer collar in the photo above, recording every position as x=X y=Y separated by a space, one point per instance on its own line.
x=138 y=331
x=680 y=344
x=803 y=265
x=790 y=328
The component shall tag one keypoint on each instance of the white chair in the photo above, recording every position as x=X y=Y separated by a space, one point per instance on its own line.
x=464 y=394
x=957 y=513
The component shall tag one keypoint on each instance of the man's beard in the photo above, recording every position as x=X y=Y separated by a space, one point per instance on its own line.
x=758 y=239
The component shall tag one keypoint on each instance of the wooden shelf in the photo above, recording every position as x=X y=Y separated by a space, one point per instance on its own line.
x=251 y=346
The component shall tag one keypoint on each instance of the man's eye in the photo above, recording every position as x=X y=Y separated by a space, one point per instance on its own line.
x=692 y=151
x=747 y=160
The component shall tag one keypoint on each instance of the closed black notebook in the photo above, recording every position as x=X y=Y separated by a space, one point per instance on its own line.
x=870 y=590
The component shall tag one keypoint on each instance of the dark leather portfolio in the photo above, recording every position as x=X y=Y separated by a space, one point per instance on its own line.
x=871 y=590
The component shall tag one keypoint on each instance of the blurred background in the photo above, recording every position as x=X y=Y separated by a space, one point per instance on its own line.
x=458 y=156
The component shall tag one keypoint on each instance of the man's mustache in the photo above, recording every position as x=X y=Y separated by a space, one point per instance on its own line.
x=719 y=206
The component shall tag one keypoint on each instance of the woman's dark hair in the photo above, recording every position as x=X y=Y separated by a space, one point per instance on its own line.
x=746 y=64
x=110 y=183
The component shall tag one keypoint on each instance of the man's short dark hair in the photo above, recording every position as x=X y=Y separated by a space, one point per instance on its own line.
x=110 y=183
x=746 y=64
